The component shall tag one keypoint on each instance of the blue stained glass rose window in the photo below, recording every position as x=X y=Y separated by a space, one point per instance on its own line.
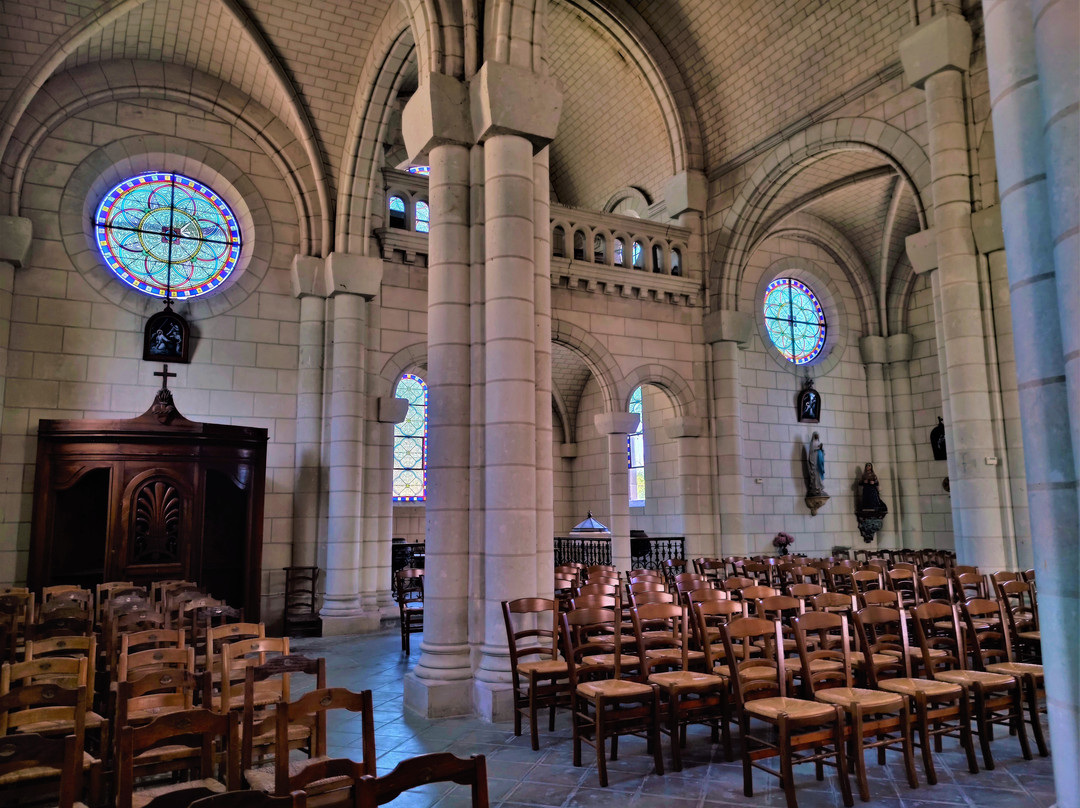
x=794 y=320
x=167 y=235
x=410 y=442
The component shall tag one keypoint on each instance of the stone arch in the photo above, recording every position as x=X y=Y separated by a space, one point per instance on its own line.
x=901 y=283
x=514 y=33
x=636 y=200
x=53 y=56
x=203 y=92
x=408 y=358
x=746 y=218
x=439 y=31
x=682 y=397
x=559 y=403
x=596 y=356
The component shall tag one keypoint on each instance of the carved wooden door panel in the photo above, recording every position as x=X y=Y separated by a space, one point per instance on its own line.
x=156 y=526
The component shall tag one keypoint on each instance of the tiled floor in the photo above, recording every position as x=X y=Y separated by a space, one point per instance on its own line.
x=517 y=776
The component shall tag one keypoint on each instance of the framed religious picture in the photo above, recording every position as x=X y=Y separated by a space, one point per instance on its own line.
x=808 y=404
x=167 y=337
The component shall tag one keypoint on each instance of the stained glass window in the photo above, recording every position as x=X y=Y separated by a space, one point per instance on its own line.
x=423 y=217
x=423 y=171
x=794 y=320
x=638 y=256
x=618 y=252
x=410 y=442
x=635 y=453
x=397 y=212
x=167 y=235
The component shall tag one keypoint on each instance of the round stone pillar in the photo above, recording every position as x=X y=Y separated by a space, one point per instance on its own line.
x=1041 y=322
x=545 y=474
x=908 y=514
x=617 y=425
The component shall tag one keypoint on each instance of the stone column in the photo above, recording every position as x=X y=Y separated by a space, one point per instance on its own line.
x=872 y=350
x=514 y=114
x=725 y=333
x=1042 y=319
x=617 y=425
x=545 y=472
x=935 y=57
x=351 y=280
x=694 y=483
x=907 y=513
x=383 y=413
x=308 y=285
x=436 y=123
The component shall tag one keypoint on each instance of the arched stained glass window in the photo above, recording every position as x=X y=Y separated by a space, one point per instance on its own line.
x=638 y=255
x=619 y=252
x=397 y=213
x=423 y=217
x=410 y=442
x=167 y=235
x=794 y=320
x=635 y=453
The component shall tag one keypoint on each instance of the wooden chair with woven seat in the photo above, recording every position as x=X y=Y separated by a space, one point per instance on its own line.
x=55 y=711
x=287 y=776
x=410 y=601
x=690 y=694
x=991 y=650
x=877 y=719
x=237 y=657
x=969 y=584
x=903 y=583
x=939 y=708
x=602 y=703
x=259 y=729
x=800 y=725
x=540 y=678
x=935 y=587
x=193 y=739
x=217 y=637
x=710 y=615
x=1022 y=614
x=28 y=760
x=996 y=697
x=437 y=767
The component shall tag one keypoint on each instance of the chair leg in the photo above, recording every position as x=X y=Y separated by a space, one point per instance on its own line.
x=841 y=767
x=906 y=745
x=673 y=730
x=575 y=729
x=787 y=773
x=965 y=732
x=601 y=763
x=859 y=755
x=654 y=735
x=984 y=729
x=534 y=733
x=1032 y=687
x=1018 y=718
x=747 y=769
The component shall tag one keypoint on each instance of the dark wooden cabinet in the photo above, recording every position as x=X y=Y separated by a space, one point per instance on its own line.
x=150 y=498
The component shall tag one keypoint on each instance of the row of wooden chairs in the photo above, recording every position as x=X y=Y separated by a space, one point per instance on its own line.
x=969 y=675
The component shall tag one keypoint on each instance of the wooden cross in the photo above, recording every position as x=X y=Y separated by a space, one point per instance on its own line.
x=165 y=376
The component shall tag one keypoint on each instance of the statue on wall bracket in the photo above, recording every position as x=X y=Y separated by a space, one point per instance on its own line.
x=167 y=337
x=808 y=404
x=937 y=440
x=871 y=510
x=816 y=495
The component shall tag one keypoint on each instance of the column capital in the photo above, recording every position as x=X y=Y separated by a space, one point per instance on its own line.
x=351 y=274
x=724 y=325
x=306 y=275
x=986 y=225
x=898 y=348
x=686 y=191
x=942 y=43
x=617 y=423
x=16 y=235
x=436 y=115
x=390 y=410
x=684 y=426
x=922 y=250
x=508 y=100
x=872 y=350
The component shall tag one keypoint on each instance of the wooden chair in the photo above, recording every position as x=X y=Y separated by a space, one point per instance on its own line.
x=288 y=777
x=939 y=708
x=130 y=666
x=709 y=616
x=194 y=737
x=237 y=657
x=301 y=609
x=602 y=703
x=878 y=719
x=154 y=694
x=996 y=697
x=688 y=696
x=101 y=595
x=410 y=600
x=438 y=767
x=27 y=760
x=902 y=582
x=800 y=725
x=1022 y=613
x=969 y=585
x=935 y=587
x=258 y=730
x=539 y=677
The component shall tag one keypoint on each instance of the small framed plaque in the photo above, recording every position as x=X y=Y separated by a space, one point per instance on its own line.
x=808 y=404
x=167 y=337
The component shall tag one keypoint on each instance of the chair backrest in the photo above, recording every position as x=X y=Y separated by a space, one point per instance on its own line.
x=312 y=704
x=159 y=692
x=25 y=753
x=647 y=585
x=130 y=666
x=883 y=637
x=938 y=629
x=987 y=632
x=237 y=657
x=734 y=583
x=591 y=631
x=437 y=767
x=1021 y=607
x=75 y=647
x=804 y=592
x=670 y=645
x=219 y=636
x=35 y=704
x=594 y=601
x=745 y=633
x=969 y=585
x=283 y=667
x=134 y=641
x=936 y=587
x=597 y=589
x=709 y=615
x=880 y=597
x=832 y=643
x=833 y=602
x=63 y=671
x=201 y=731
x=532 y=626
x=639 y=598
x=757 y=592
